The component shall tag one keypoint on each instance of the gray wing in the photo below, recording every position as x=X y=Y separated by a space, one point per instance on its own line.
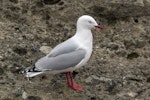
x=65 y=47
x=62 y=61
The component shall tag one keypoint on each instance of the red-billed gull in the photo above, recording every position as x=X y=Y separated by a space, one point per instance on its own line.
x=69 y=55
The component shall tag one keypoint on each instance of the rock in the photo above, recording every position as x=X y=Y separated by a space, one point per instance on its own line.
x=28 y=36
x=21 y=50
x=104 y=79
x=33 y=98
x=51 y=1
x=115 y=9
x=148 y=79
x=111 y=86
x=24 y=95
x=45 y=49
x=129 y=43
x=140 y=43
x=90 y=95
x=134 y=78
x=132 y=55
x=14 y=1
x=1 y=58
x=113 y=46
x=1 y=71
x=15 y=69
x=94 y=80
x=121 y=52
x=132 y=94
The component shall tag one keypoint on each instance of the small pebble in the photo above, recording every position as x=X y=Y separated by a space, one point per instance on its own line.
x=92 y=80
x=24 y=95
x=132 y=94
x=45 y=49
x=1 y=58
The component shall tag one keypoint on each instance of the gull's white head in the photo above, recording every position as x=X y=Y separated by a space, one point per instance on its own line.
x=87 y=22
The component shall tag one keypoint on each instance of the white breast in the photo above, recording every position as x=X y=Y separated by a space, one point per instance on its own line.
x=86 y=42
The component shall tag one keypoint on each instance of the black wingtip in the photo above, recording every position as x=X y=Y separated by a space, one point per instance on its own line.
x=32 y=69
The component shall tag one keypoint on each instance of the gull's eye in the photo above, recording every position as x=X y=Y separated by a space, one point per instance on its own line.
x=90 y=22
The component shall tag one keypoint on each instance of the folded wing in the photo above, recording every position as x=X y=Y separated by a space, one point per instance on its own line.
x=61 y=61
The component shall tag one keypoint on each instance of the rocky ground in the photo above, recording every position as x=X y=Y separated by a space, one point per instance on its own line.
x=119 y=68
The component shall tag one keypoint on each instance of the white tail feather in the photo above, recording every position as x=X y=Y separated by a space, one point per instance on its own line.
x=32 y=74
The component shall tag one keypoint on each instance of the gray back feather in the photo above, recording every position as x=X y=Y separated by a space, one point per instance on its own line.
x=65 y=47
x=62 y=61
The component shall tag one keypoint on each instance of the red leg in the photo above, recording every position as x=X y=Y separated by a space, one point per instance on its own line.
x=71 y=83
x=67 y=77
x=71 y=78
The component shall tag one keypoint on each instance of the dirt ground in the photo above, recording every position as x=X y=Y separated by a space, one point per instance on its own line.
x=119 y=68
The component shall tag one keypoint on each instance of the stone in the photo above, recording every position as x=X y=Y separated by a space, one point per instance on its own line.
x=94 y=80
x=116 y=9
x=15 y=69
x=24 y=95
x=148 y=79
x=14 y=1
x=33 y=98
x=45 y=49
x=132 y=55
x=51 y=1
x=113 y=46
x=140 y=43
x=21 y=50
x=129 y=43
x=134 y=78
x=104 y=79
x=1 y=71
x=1 y=58
x=132 y=94
x=121 y=52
